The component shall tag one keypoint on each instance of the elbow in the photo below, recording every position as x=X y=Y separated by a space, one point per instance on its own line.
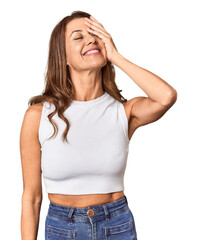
x=170 y=98
x=31 y=198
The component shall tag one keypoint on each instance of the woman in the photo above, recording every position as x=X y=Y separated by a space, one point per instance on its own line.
x=77 y=132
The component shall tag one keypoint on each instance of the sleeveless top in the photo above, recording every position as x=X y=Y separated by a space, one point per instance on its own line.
x=95 y=157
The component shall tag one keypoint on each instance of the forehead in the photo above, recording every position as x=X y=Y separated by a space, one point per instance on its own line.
x=75 y=24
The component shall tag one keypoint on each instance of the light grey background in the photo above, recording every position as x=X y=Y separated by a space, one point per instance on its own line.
x=160 y=36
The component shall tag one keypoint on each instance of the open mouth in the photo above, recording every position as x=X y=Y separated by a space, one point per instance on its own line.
x=92 y=52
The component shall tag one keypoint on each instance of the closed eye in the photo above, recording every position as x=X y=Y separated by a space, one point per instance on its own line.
x=82 y=37
x=77 y=38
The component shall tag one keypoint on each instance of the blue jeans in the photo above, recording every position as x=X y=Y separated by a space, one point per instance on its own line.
x=109 y=221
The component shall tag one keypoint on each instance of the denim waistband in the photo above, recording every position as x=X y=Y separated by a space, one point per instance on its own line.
x=90 y=211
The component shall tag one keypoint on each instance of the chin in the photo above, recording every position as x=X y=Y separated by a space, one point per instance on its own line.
x=98 y=63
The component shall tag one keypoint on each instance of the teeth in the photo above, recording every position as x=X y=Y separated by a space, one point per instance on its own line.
x=92 y=51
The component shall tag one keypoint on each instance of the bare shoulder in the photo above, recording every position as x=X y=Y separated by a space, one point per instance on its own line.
x=35 y=108
x=31 y=119
x=131 y=101
x=33 y=112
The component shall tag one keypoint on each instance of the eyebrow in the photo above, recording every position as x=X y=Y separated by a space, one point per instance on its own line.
x=75 y=31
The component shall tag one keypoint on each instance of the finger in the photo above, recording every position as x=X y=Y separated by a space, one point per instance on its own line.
x=94 y=19
x=100 y=35
x=96 y=29
x=90 y=24
x=96 y=23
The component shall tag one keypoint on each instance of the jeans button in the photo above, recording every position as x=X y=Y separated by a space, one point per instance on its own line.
x=90 y=212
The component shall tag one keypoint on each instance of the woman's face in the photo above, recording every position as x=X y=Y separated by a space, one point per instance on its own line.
x=78 y=42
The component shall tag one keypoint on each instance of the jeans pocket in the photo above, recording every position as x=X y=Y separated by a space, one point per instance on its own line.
x=56 y=233
x=122 y=231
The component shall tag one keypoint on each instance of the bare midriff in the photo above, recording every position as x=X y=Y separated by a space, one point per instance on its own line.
x=84 y=200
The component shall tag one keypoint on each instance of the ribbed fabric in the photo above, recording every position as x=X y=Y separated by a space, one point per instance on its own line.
x=95 y=157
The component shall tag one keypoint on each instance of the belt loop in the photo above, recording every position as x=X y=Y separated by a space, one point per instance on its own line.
x=106 y=212
x=70 y=214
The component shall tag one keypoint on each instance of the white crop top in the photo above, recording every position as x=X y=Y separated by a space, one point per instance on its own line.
x=94 y=160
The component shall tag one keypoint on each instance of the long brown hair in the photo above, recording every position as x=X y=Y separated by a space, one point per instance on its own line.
x=58 y=84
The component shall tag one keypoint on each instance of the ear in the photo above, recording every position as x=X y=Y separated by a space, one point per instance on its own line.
x=67 y=63
x=67 y=66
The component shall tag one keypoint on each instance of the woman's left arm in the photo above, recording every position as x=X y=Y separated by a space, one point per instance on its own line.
x=156 y=88
x=161 y=96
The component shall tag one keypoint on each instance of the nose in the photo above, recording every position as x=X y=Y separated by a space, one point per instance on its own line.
x=92 y=38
